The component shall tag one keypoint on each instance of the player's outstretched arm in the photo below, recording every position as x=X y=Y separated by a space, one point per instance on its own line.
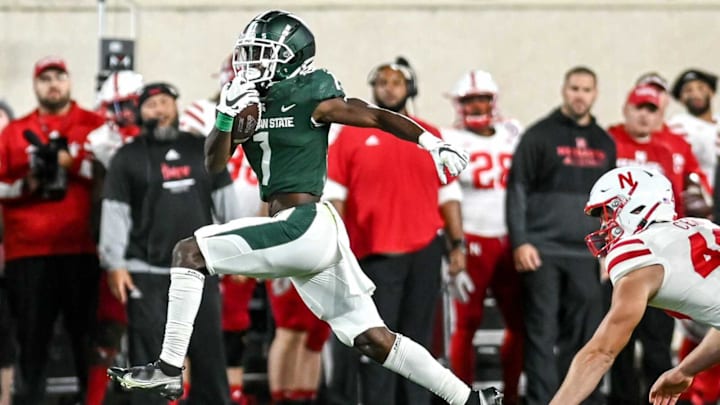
x=629 y=300
x=668 y=386
x=358 y=113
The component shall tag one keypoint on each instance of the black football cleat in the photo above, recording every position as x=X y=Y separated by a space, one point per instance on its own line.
x=148 y=378
x=487 y=396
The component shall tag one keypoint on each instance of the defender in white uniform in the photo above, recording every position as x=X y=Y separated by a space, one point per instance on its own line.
x=653 y=259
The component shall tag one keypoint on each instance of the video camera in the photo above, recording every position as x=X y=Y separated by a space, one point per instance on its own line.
x=45 y=167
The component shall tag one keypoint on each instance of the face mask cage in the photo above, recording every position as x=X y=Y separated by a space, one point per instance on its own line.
x=123 y=112
x=600 y=241
x=256 y=60
x=475 y=121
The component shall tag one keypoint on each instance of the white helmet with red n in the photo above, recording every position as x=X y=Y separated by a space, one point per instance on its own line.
x=475 y=83
x=627 y=200
x=118 y=97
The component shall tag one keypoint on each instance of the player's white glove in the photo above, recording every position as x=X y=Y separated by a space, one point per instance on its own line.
x=103 y=142
x=461 y=286
x=281 y=285
x=237 y=95
x=444 y=155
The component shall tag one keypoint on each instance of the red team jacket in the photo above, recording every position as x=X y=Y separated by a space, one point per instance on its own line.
x=666 y=152
x=36 y=227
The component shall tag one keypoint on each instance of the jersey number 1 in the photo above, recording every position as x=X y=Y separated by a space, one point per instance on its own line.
x=704 y=258
x=263 y=138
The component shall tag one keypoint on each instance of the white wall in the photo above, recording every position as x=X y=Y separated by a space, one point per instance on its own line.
x=527 y=45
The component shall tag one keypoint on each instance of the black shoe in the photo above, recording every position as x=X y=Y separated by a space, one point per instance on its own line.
x=487 y=396
x=148 y=378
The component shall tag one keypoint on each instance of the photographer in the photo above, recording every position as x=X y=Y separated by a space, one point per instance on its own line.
x=52 y=265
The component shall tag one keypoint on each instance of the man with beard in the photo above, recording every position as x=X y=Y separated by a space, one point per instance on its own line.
x=153 y=181
x=52 y=266
x=695 y=89
x=555 y=165
x=393 y=215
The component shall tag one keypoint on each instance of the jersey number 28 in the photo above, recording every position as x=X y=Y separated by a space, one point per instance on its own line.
x=484 y=174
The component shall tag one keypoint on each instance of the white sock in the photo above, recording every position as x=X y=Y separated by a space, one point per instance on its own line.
x=186 y=288
x=413 y=362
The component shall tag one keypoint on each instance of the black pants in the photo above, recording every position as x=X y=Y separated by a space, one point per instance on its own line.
x=562 y=307
x=407 y=290
x=8 y=351
x=40 y=289
x=146 y=329
x=628 y=385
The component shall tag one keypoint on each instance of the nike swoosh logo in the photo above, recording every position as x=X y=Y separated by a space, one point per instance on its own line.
x=231 y=101
x=286 y=108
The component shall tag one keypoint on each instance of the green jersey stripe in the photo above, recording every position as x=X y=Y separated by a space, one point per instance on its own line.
x=277 y=233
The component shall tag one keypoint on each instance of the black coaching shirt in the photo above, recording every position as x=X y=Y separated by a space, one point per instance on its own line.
x=553 y=169
x=156 y=193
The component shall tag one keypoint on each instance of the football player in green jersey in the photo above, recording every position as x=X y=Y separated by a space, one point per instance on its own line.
x=303 y=238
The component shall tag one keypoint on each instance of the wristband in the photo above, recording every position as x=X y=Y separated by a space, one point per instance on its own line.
x=458 y=243
x=428 y=141
x=223 y=122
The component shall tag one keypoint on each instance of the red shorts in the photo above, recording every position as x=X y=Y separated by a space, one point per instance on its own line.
x=705 y=388
x=235 y=301
x=490 y=264
x=109 y=308
x=290 y=312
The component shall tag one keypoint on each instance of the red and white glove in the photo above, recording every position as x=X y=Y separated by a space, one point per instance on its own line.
x=461 y=286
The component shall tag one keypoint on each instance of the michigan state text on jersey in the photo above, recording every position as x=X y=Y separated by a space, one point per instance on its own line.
x=288 y=151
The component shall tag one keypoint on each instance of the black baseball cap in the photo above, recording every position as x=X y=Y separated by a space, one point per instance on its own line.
x=690 y=75
x=152 y=89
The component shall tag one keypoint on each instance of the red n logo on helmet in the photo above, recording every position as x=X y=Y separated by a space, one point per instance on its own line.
x=626 y=178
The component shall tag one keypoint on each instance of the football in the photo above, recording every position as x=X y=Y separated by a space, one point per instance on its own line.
x=245 y=123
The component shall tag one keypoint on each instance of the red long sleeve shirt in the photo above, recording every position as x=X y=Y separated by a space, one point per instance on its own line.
x=37 y=227
x=665 y=151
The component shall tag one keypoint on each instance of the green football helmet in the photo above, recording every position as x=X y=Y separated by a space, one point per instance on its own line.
x=274 y=46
